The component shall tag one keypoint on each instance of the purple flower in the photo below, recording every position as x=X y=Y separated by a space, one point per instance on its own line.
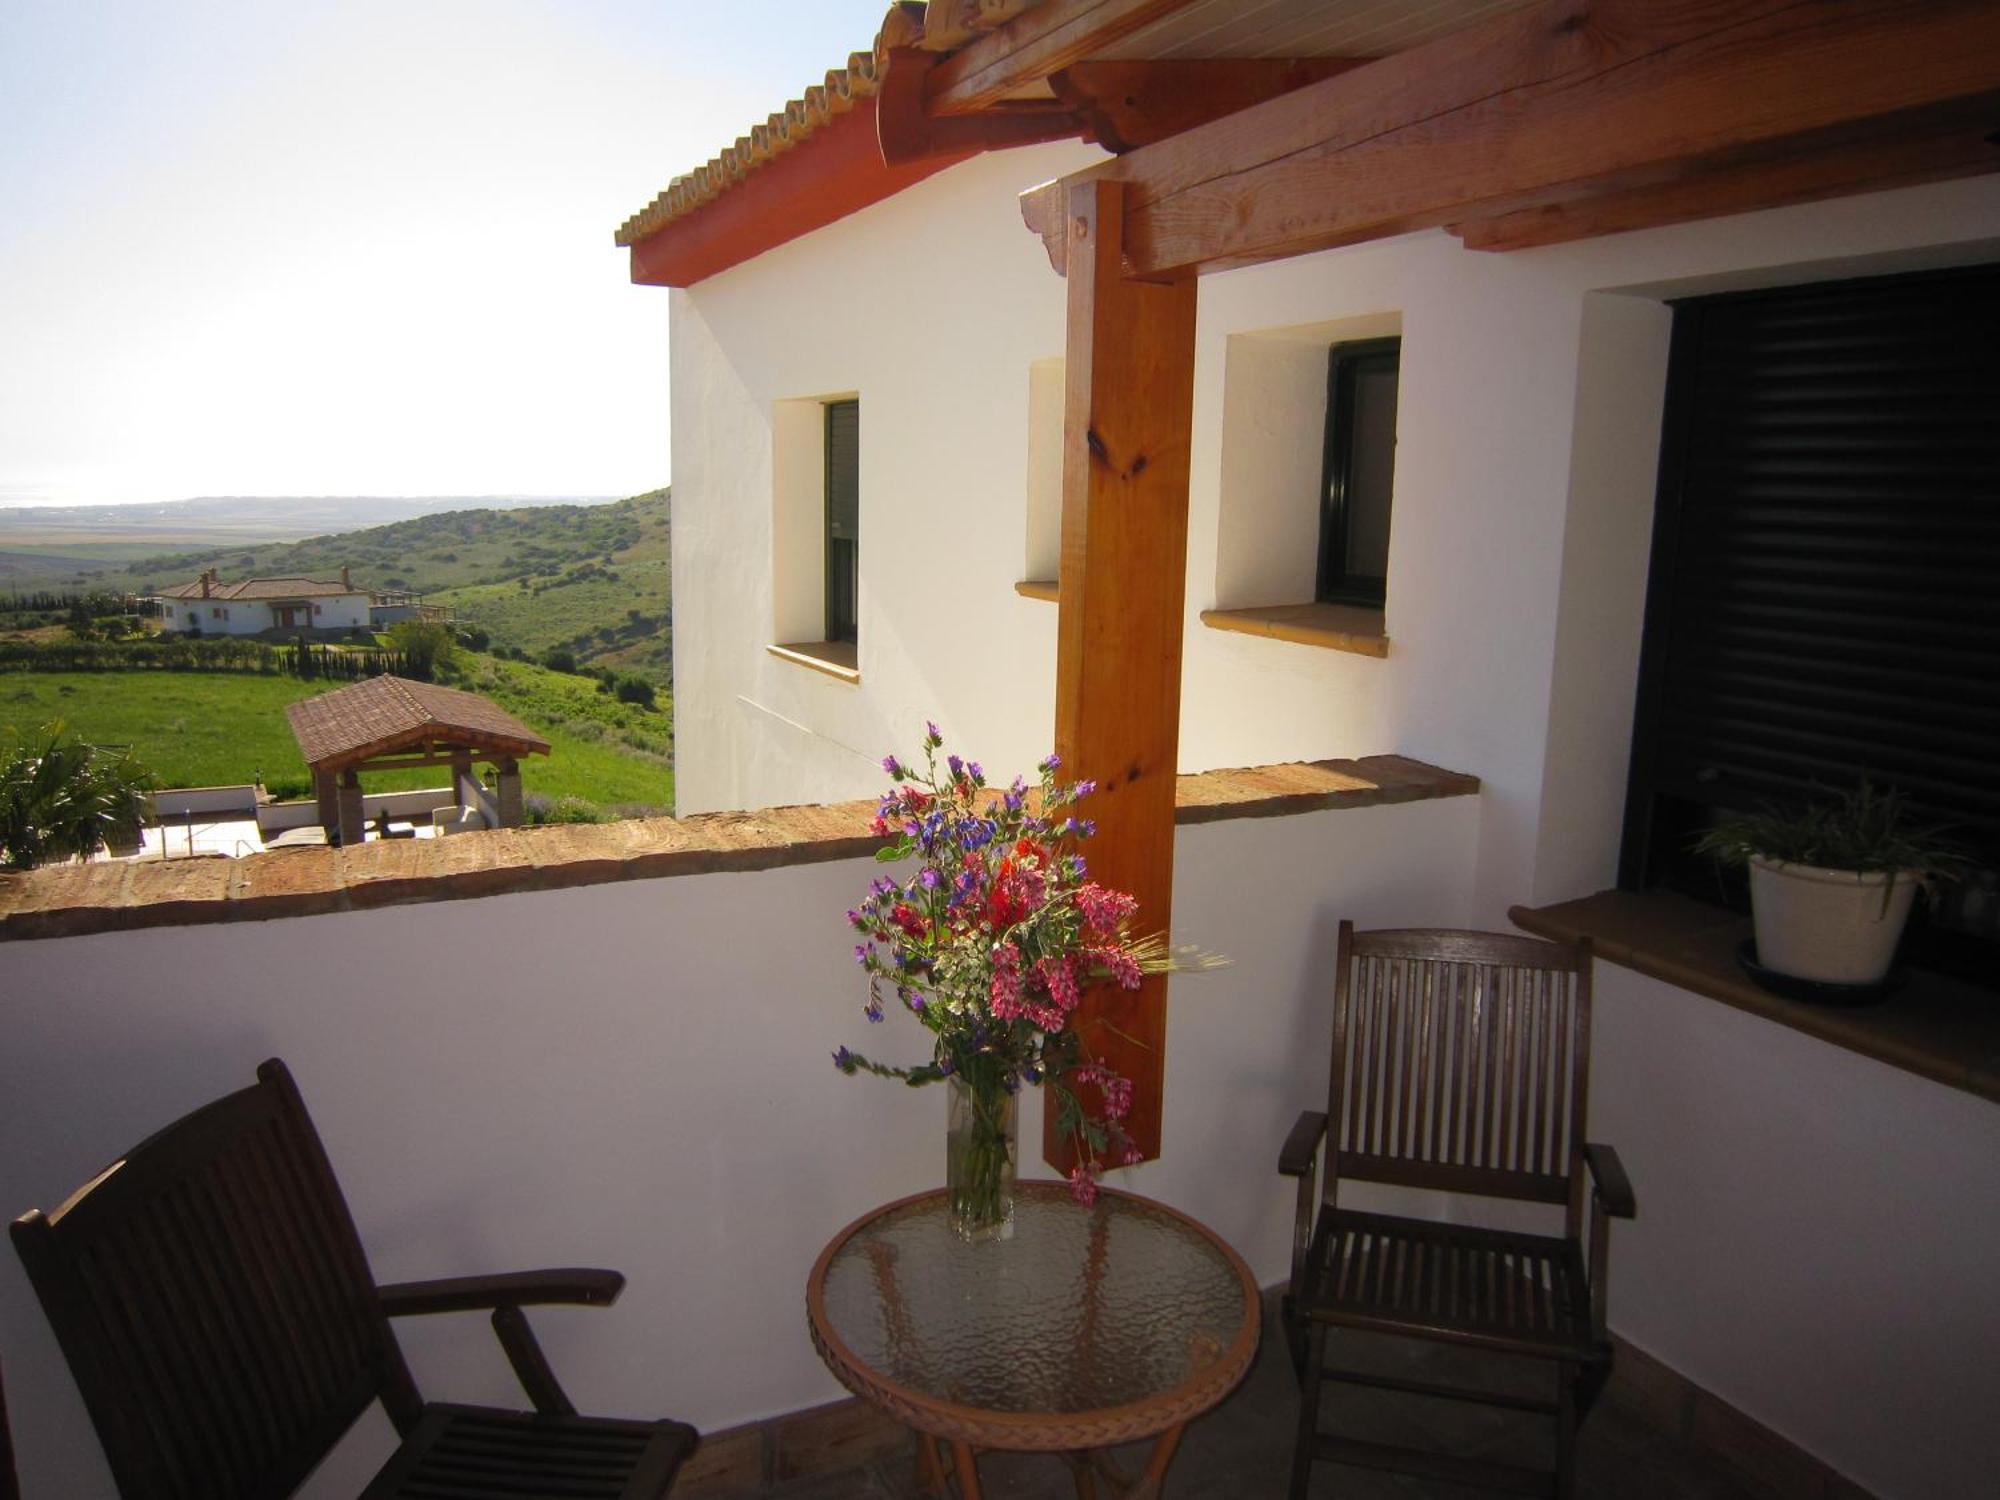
x=873 y=1009
x=1083 y=789
x=957 y=766
x=931 y=733
x=844 y=1060
x=892 y=766
x=862 y=952
x=1087 y=827
x=929 y=879
x=978 y=776
x=1053 y=763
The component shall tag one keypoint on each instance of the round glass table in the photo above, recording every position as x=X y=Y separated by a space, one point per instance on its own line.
x=1086 y=1329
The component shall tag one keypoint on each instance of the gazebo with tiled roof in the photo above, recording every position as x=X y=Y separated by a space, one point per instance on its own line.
x=393 y=724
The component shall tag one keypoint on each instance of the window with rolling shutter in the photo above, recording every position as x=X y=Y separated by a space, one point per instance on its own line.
x=843 y=518
x=1825 y=593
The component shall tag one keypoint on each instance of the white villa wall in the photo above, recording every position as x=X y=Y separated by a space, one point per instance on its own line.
x=252 y=616
x=637 y=1075
x=1527 y=447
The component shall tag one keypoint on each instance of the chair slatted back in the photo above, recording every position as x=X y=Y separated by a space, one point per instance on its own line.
x=215 y=1305
x=1460 y=1063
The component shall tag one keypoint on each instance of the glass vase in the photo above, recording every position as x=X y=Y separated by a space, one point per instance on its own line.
x=980 y=1127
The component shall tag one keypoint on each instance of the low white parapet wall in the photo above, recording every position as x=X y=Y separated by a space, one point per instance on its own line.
x=184 y=801
x=463 y=1057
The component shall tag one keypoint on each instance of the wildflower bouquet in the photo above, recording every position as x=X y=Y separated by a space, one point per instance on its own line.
x=990 y=942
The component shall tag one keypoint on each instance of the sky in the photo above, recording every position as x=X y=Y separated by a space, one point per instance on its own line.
x=331 y=247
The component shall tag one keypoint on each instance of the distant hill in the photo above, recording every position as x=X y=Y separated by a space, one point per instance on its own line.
x=269 y=517
x=592 y=579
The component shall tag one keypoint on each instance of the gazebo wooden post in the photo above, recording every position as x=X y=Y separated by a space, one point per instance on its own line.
x=1127 y=421
x=326 y=794
x=510 y=792
x=353 y=822
x=461 y=773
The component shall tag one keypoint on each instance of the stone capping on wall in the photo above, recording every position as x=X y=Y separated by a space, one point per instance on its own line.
x=112 y=896
x=1940 y=1028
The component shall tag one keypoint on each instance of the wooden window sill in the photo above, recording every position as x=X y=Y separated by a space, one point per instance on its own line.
x=1037 y=588
x=835 y=658
x=1331 y=627
x=1938 y=1027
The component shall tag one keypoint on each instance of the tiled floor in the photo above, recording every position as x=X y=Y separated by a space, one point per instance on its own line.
x=1242 y=1450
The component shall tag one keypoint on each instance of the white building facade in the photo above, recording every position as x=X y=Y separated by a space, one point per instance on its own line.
x=208 y=606
x=1526 y=463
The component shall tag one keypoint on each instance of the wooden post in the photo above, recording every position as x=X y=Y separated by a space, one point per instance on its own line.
x=353 y=814
x=511 y=809
x=326 y=793
x=1127 y=418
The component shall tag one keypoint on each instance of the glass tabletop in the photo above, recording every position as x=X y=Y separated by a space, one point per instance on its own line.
x=1080 y=1310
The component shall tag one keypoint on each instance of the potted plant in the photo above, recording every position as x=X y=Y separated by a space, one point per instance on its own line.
x=1832 y=880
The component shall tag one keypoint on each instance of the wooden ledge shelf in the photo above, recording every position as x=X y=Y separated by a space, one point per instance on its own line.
x=72 y=900
x=835 y=658
x=1331 y=627
x=1038 y=588
x=1940 y=1028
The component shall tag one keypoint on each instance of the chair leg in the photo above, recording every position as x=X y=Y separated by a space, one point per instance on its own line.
x=1309 y=1383
x=1294 y=1328
x=1567 y=1376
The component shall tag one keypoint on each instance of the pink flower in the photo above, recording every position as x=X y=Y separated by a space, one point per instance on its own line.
x=1059 y=974
x=1083 y=1182
x=1004 y=994
x=1115 y=964
x=1104 y=911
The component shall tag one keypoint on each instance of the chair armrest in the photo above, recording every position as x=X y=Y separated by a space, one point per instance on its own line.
x=1301 y=1148
x=567 y=1284
x=1609 y=1182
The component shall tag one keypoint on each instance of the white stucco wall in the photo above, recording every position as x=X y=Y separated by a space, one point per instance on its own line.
x=1527 y=449
x=252 y=616
x=637 y=1075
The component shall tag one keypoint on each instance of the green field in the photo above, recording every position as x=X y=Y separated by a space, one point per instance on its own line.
x=219 y=729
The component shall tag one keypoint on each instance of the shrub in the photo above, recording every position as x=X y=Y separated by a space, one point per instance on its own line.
x=559 y=659
x=635 y=689
x=61 y=798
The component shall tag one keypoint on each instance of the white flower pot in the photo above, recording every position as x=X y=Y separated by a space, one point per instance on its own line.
x=1831 y=926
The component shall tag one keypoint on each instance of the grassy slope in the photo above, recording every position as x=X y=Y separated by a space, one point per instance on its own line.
x=207 y=729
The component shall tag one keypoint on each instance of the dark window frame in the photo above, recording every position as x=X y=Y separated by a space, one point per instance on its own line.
x=1346 y=362
x=842 y=554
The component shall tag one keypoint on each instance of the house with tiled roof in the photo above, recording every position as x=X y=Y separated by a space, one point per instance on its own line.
x=251 y=606
x=1591 y=396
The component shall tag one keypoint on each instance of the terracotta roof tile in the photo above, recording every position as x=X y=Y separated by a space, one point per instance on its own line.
x=816 y=108
x=260 y=588
x=382 y=714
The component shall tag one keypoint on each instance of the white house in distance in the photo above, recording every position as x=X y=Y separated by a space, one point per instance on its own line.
x=208 y=606
x=1596 y=400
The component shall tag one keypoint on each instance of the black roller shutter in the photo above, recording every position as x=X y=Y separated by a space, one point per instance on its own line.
x=1826 y=560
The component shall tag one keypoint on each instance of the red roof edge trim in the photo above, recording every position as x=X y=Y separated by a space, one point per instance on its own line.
x=829 y=175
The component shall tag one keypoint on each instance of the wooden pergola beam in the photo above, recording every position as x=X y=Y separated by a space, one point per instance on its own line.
x=1133 y=104
x=1127 y=421
x=1561 y=101
x=1033 y=45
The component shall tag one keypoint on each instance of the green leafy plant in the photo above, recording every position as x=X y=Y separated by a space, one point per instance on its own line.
x=1866 y=829
x=62 y=798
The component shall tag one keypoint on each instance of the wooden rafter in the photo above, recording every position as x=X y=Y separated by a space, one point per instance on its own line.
x=907 y=132
x=1550 y=105
x=1036 y=43
x=1131 y=104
